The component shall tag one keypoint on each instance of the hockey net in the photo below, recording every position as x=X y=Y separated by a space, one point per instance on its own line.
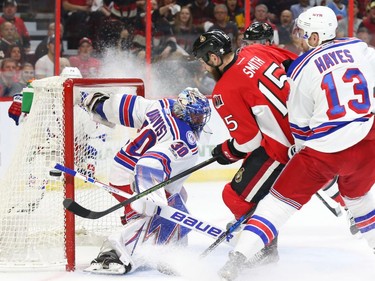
x=35 y=229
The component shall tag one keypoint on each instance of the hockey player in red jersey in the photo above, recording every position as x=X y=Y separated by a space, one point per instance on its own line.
x=331 y=112
x=250 y=96
x=262 y=33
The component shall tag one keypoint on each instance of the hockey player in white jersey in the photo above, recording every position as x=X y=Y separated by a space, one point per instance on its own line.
x=331 y=113
x=165 y=145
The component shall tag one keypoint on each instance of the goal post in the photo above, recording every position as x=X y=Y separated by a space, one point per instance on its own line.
x=35 y=230
x=69 y=86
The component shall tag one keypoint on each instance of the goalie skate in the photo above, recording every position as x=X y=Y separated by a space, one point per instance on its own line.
x=108 y=263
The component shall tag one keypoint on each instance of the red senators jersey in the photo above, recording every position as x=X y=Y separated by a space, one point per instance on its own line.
x=251 y=99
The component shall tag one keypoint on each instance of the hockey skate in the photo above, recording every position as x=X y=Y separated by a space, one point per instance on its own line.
x=233 y=266
x=352 y=227
x=108 y=263
x=237 y=261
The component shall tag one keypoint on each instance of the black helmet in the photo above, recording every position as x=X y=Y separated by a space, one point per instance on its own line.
x=259 y=31
x=215 y=41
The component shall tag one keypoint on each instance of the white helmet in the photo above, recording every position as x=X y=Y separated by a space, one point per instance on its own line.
x=71 y=72
x=319 y=19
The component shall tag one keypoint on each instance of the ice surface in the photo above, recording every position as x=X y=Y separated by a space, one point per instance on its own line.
x=314 y=245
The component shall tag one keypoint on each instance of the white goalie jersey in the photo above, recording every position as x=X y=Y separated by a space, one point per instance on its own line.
x=339 y=113
x=161 y=148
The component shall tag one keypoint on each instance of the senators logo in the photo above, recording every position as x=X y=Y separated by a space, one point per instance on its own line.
x=238 y=176
x=217 y=101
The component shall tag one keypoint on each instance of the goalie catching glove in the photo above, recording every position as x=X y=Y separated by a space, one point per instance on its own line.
x=226 y=153
x=93 y=103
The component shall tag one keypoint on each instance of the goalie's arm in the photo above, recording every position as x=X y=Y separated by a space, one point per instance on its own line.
x=126 y=110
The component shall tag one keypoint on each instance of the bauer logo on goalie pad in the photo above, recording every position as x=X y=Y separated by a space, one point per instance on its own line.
x=198 y=225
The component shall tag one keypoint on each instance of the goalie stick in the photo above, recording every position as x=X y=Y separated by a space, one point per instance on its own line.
x=167 y=212
x=81 y=211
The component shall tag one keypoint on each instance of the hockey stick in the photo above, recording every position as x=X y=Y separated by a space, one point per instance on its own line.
x=331 y=204
x=81 y=211
x=167 y=212
x=227 y=234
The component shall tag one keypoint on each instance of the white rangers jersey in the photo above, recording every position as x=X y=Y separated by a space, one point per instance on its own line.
x=164 y=146
x=331 y=102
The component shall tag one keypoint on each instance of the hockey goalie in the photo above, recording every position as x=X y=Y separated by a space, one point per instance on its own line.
x=165 y=145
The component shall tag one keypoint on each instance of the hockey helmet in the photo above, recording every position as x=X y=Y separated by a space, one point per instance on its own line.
x=259 y=31
x=215 y=41
x=192 y=107
x=319 y=19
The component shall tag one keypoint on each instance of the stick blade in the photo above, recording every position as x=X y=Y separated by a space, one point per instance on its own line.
x=80 y=211
x=75 y=208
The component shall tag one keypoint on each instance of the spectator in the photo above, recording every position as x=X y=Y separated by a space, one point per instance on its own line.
x=126 y=12
x=364 y=35
x=76 y=16
x=26 y=75
x=109 y=36
x=125 y=41
x=238 y=42
x=9 y=37
x=64 y=62
x=8 y=82
x=184 y=30
x=168 y=9
x=15 y=52
x=342 y=28
x=299 y=8
x=236 y=13
x=202 y=79
x=42 y=49
x=9 y=14
x=164 y=44
x=338 y=8
x=82 y=18
x=276 y=7
x=203 y=14
x=45 y=67
x=285 y=28
x=84 y=61
x=261 y=15
x=369 y=22
x=221 y=23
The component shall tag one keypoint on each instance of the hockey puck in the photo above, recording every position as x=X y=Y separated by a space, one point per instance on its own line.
x=55 y=173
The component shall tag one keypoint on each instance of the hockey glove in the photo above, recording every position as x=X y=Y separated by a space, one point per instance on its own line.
x=291 y=151
x=226 y=153
x=14 y=110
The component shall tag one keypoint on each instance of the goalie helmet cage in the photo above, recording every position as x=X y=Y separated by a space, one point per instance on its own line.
x=35 y=230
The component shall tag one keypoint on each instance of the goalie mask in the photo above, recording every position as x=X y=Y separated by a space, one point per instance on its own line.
x=192 y=107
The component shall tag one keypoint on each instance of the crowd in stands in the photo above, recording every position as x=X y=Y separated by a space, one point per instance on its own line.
x=91 y=27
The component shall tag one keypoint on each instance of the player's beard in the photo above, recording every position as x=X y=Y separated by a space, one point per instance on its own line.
x=216 y=74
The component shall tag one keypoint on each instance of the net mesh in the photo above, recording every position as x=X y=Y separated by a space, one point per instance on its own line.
x=32 y=223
